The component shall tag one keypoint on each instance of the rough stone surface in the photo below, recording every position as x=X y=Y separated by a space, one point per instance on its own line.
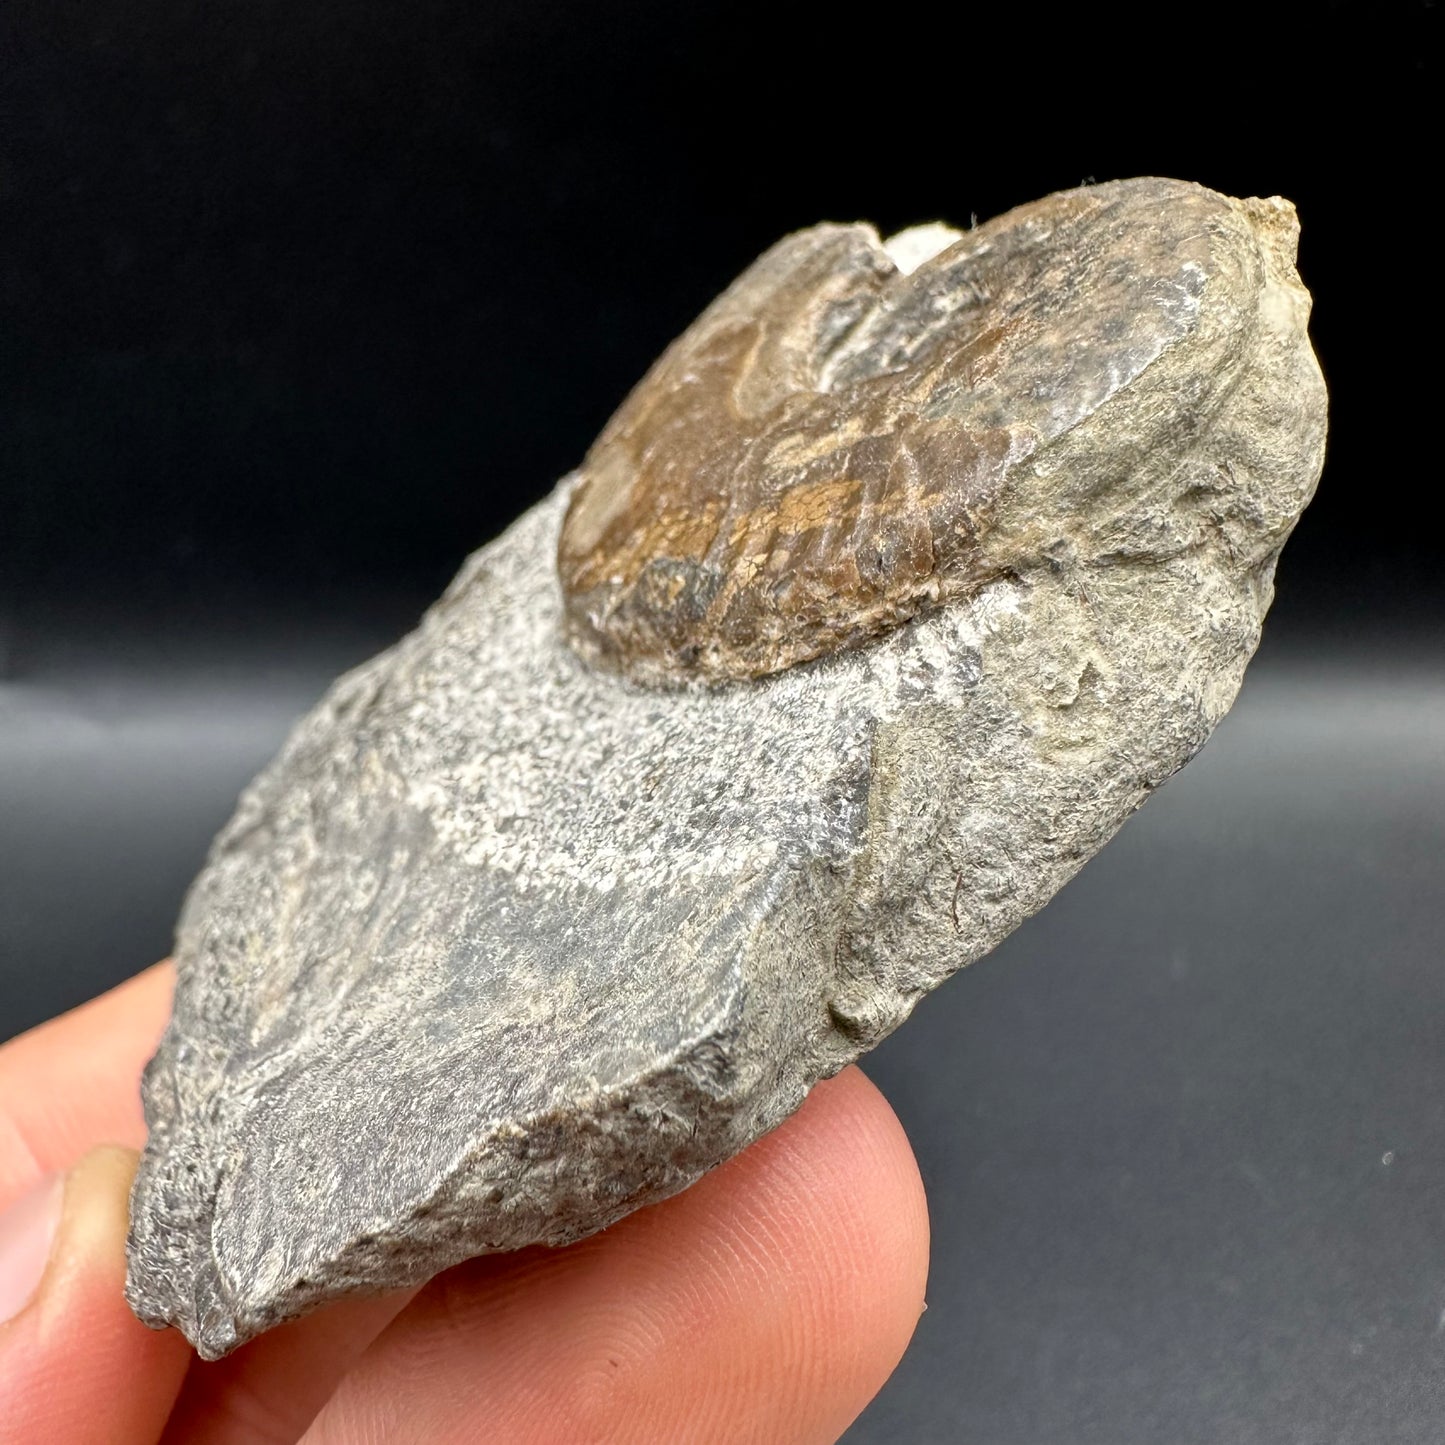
x=506 y=944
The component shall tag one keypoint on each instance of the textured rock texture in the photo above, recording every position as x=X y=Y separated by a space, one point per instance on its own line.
x=516 y=936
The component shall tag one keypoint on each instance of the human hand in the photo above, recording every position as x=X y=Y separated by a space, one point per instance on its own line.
x=766 y=1304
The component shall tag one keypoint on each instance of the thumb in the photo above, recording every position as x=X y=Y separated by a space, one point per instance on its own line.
x=75 y=1364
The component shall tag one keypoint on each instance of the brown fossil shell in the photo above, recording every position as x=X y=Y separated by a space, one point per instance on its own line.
x=838 y=444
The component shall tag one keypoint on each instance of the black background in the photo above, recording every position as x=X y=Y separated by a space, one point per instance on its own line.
x=301 y=302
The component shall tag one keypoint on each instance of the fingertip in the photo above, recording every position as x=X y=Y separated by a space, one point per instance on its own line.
x=75 y=1080
x=836 y=1194
x=769 y=1302
x=93 y=1222
x=835 y=1198
x=76 y=1363
x=847 y=1141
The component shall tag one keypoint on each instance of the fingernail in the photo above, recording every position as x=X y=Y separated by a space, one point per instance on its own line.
x=27 y=1230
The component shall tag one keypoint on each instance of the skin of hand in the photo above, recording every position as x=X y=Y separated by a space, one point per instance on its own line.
x=764 y=1306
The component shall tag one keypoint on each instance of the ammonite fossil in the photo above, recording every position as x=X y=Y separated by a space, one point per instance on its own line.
x=840 y=443
x=899 y=582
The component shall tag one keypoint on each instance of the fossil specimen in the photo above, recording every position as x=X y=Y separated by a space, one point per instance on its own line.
x=899 y=582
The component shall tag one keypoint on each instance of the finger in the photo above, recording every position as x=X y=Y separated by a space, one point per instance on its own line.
x=269 y=1390
x=75 y=1364
x=766 y=1304
x=74 y=1082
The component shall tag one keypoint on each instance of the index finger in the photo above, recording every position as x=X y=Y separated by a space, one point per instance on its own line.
x=74 y=1082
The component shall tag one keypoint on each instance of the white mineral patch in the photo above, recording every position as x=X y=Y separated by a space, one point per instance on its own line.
x=909 y=249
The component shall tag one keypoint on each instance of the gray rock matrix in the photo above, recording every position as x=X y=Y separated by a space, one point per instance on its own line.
x=503 y=945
